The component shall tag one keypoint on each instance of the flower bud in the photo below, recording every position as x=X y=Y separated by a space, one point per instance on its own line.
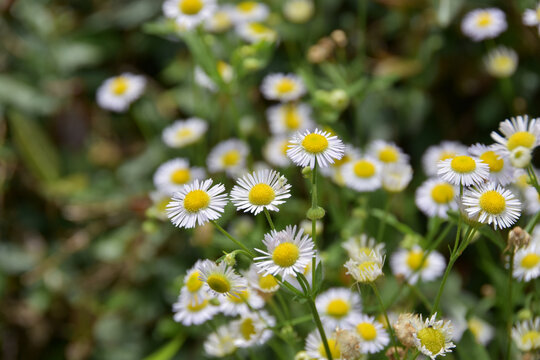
x=405 y=328
x=339 y=99
x=339 y=37
x=316 y=213
x=306 y=172
x=298 y=11
x=518 y=237
x=230 y=259
x=520 y=157
x=302 y=355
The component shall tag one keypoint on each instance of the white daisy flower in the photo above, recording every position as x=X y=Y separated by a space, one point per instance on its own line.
x=435 y=197
x=184 y=132
x=396 y=176
x=160 y=200
x=366 y=267
x=193 y=311
x=518 y=131
x=463 y=170
x=339 y=307
x=224 y=70
x=315 y=347
x=372 y=333
x=481 y=24
x=229 y=156
x=282 y=87
x=288 y=252
x=220 y=21
x=362 y=174
x=193 y=286
x=386 y=152
x=500 y=169
x=521 y=180
x=527 y=262
x=409 y=264
x=171 y=176
x=532 y=200
x=501 y=62
x=483 y=332
x=275 y=151
x=263 y=283
x=289 y=117
x=260 y=190
x=250 y=11
x=335 y=170
x=315 y=146
x=492 y=204
x=254 y=32
x=433 y=338
x=220 y=279
x=361 y=244
x=526 y=335
x=242 y=303
x=117 y=93
x=253 y=328
x=531 y=17
x=221 y=342
x=189 y=13
x=196 y=204
x=306 y=271
x=443 y=151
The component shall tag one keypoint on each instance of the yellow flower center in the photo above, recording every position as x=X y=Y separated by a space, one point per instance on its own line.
x=334 y=349
x=414 y=260
x=231 y=158
x=388 y=154
x=432 y=339
x=502 y=63
x=340 y=162
x=367 y=331
x=196 y=200
x=246 y=6
x=492 y=202
x=286 y=254
x=475 y=327
x=191 y=7
x=521 y=138
x=247 y=328
x=445 y=155
x=285 y=86
x=180 y=176
x=240 y=298
x=530 y=260
x=494 y=161
x=442 y=193
x=463 y=164
x=292 y=120
x=531 y=337
x=222 y=68
x=315 y=143
x=258 y=28
x=184 y=132
x=484 y=19
x=219 y=283
x=194 y=306
x=119 y=85
x=193 y=283
x=261 y=194
x=267 y=282
x=285 y=147
x=338 y=308
x=367 y=266
x=162 y=204
x=364 y=169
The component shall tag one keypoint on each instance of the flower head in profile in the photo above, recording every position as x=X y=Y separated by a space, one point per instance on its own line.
x=315 y=146
x=221 y=342
x=481 y=24
x=184 y=132
x=517 y=132
x=241 y=303
x=526 y=335
x=264 y=283
x=224 y=70
x=275 y=151
x=432 y=337
x=366 y=268
x=287 y=252
x=249 y=11
x=255 y=32
x=482 y=331
x=531 y=17
x=193 y=310
x=189 y=13
x=361 y=244
x=289 y=117
x=282 y=87
x=414 y=264
x=221 y=279
x=463 y=170
x=264 y=189
x=171 y=176
x=396 y=176
x=117 y=93
x=253 y=328
x=315 y=348
x=196 y=204
x=501 y=62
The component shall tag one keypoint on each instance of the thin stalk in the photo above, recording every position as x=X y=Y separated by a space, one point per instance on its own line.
x=283 y=304
x=269 y=218
x=318 y=322
x=509 y=304
x=382 y=223
x=314 y=221
x=224 y=232
x=383 y=309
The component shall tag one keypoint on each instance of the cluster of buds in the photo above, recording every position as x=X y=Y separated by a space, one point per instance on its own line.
x=325 y=47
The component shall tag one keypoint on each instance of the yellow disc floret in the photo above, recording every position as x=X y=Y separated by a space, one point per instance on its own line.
x=292 y=120
x=338 y=308
x=261 y=194
x=219 y=283
x=364 y=169
x=442 y=193
x=240 y=298
x=521 y=138
x=286 y=254
x=494 y=161
x=367 y=331
x=492 y=202
x=180 y=176
x=196 y=200
x=246 y=6
x=231 y=158
x=267 y=282
x=414 y=260
x=531 y=337
x=193 y=283
x=119 y=85
x=247 y=328
x=432 y=339
x=334 y=349
x=285 y=86
x=191 y=7
x=195 y=306
x=388 y=155
x=315 y=143
x=463 y=164
x=484 y=19
x=184 y=132
x=530 y=260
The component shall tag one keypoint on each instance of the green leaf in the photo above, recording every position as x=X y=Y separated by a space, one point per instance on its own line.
x=167 y=351
x=393 y=221
x=24 y=96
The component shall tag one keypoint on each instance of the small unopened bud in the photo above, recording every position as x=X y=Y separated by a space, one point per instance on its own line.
x=252 y=64
x=349 y=344
x=230 y=259
x=405 y=328
x=339 y=99
x=393 y=350
x=302 y=355
x=298 y=11
x=488 y=291
x=518 y=237
x=316 y=213
x=306 y=172
x=520 y=157
x=339 y=37
x=288 y=331
x=524 y=314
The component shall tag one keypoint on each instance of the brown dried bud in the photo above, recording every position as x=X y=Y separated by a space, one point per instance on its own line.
x=349 y=344
x=391 y=353
x=339 y=37
x=317 y=54
x=488 y=291
x=518 y=237
x=327 y=43
x=405 y=329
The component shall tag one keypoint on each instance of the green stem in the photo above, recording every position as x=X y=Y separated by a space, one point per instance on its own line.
x=509 y=305
x=383 y=309
x=269 y=218
x=533 y=178
x=224 y=232
x=314 y=221
x=530 y=226
x=318 y=322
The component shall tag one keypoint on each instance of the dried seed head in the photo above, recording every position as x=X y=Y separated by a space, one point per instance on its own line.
x=339 y=37
x=405 y=329
x=518 y=237
x=391 y=353
x=349 y=344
